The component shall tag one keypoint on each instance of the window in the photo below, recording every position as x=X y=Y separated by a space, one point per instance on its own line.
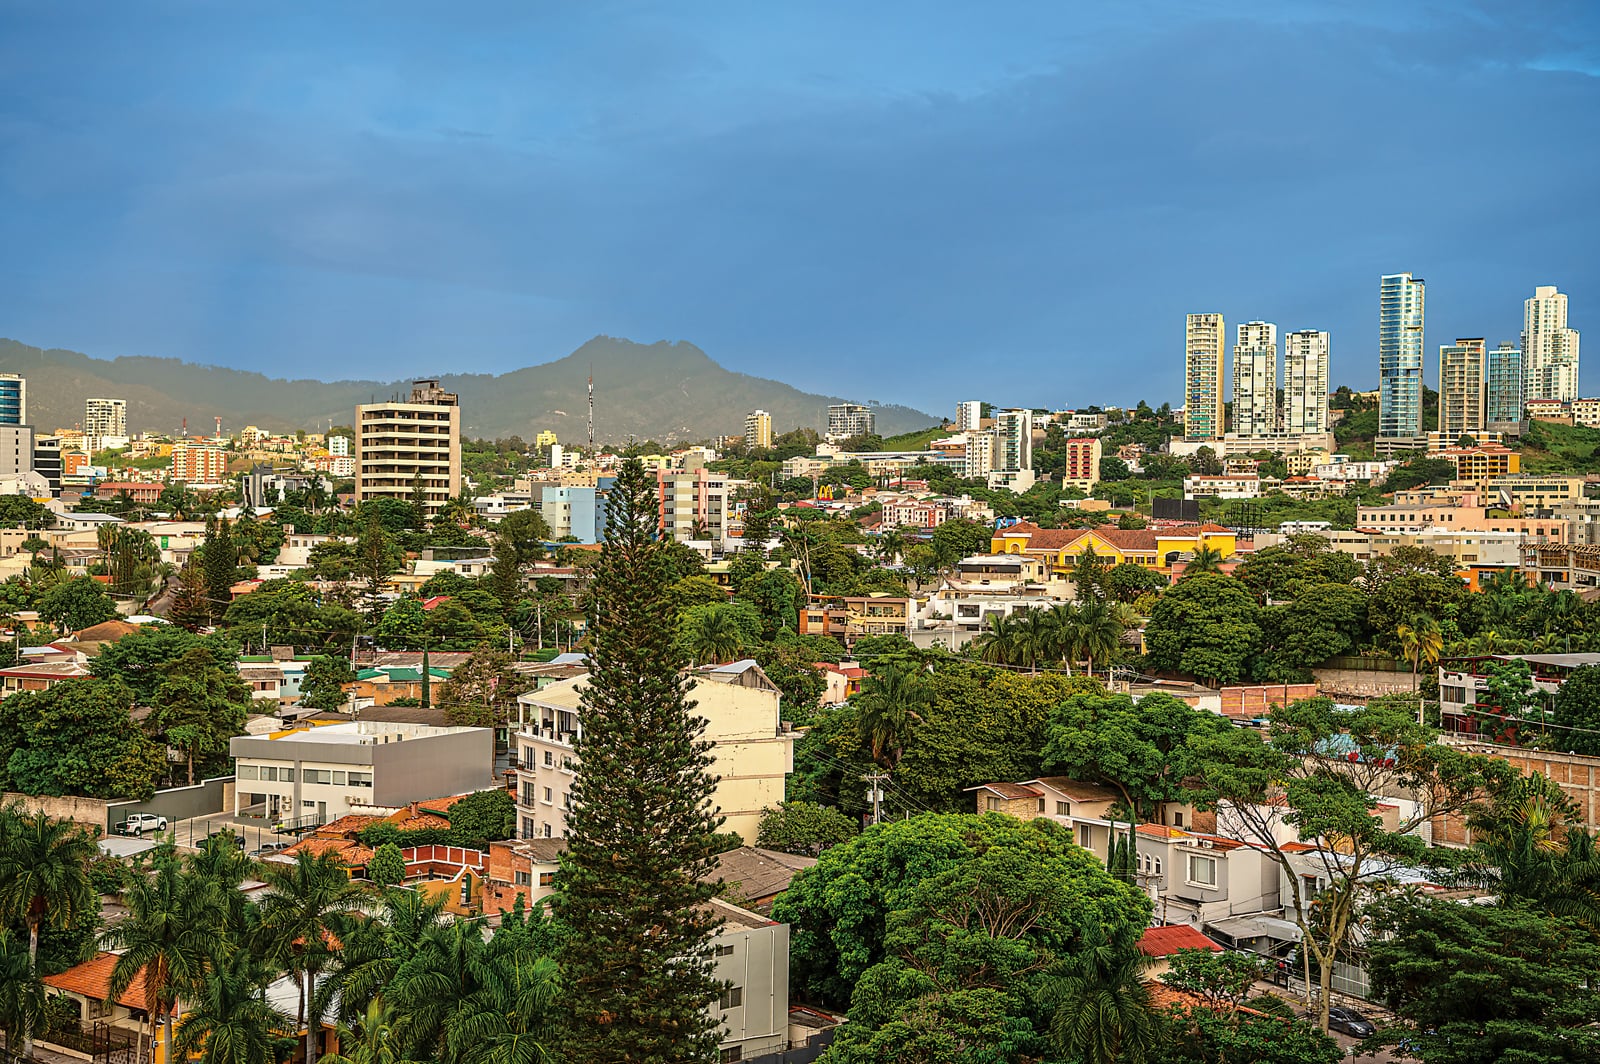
x=549 y=758
x=1085 y=836
x=522 y=879
x=731 y=1053
x=249 y=772
x=548 y=797
x=547 y=831
x=1177 y=820
x=732 y=997
x=723 y=951
x=527 y=828
x=319 y=775
x=1158 y=866
x=1041 y=805
x=993 y=804
x=338 y=777
x=1202 y=870
x=547 y=879
x=360 y=779
x=1063 y=809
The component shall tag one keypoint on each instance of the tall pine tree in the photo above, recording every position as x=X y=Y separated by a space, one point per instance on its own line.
x=220 y=562
x=632 y=894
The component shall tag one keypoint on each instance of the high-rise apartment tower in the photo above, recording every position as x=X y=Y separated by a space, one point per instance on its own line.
x=1205 y=337
x=402 y=442
x=1255 y=379
x=1305 y=383
x=1502 y=397
x=13 y=399
x=1549 y=348
x=105 y=417
x=1401 y=310
x=1461 y=388
x=758 y=430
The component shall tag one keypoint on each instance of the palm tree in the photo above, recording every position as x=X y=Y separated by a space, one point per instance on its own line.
x=1204 y=560
x=891 y=544
x=373 y=1040
x=307 y=905
x=1035 y=639
x=1099 y=1007
x=507 y=1020
x=1421 y=643
x=171 y=936
x=1099 y=631
x=1528 y=846
x=891 y=702
x=713 y=636
x=231 y=1021
x=997 y=642
x=375 y=950
x=21 y=992
x=44 y=877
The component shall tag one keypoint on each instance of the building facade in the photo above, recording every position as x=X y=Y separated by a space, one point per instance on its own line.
x=198 y=463
x=1461 y=387
x=752 y=750
x=1305 y=382
x=1502 y=389
x=1255 y=379
x=105 y=417
x=1205 y=337
x=327 y=771
x=13 y=399
x=758 y=430
x=694 y=504
x=1013 y=438
x=1549 y=347
x=1401 y=313
x=1083 y=463
x=850 y=419
x=969 y=415
x=398 y=444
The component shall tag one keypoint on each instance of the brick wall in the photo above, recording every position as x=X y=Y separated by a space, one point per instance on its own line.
x=1577 y=775
x=1258 y=701
x=1021 y=808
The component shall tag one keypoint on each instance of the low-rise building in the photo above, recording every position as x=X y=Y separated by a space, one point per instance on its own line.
x=1226 y=486
x=1461 y=683
x=328 y=770
x=849 y=616
x=1082 y=463
x=753 y=750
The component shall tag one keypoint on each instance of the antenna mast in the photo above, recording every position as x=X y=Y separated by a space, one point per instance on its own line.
x=591 y=412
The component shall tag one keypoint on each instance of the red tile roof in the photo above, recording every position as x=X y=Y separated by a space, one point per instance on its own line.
x=1165 y=941
x=92 y=979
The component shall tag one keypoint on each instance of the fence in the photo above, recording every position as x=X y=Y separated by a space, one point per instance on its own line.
x=176 y=803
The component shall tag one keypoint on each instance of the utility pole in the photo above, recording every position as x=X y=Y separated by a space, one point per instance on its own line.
x=427 y=684
x=875 y=792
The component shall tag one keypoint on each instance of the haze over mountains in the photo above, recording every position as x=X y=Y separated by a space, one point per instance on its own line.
x=656 y=391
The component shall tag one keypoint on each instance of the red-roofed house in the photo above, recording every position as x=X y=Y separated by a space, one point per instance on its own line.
x=1162 y=942
x=1155 y=549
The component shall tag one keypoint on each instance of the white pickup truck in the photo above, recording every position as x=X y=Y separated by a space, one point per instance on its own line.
x=139 y=823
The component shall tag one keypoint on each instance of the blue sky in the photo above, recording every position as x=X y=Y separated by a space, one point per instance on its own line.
x=916 y=202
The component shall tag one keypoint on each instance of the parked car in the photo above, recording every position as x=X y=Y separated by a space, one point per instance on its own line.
x=139 y=823
x=1351 y=1023
x=238 y=840
x=270 y=848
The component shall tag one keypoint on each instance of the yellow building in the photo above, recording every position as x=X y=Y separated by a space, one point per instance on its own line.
x=545 y=439
x=1153 y=549
x=1483 y=464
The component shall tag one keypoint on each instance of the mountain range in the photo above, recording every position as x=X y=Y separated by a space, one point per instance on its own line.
x=662 y=391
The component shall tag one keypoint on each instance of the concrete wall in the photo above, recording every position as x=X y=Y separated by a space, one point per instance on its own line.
x=178 y=803
x=1361 y=683
x=759 y=964
x=90 y=812
x=432 y=767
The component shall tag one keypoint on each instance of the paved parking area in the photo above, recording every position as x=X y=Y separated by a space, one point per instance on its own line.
x=256 y=831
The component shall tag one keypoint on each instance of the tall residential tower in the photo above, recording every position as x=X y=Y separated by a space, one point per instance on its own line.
x=1205 y=337
x=1502 y=395
x=1305 y=383
x=401 y=446
x=1461 y=379
x=1255 y=379
x=1549 y=348
x=1401 y=304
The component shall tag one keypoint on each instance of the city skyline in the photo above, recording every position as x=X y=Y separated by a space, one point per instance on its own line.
x=811 y=197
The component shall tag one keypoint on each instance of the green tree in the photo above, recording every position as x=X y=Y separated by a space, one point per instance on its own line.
x=1126 y=581
x=230 y=1020
x=1421 y=642
x=44 y=877
x=481 y=818
x=519 y=540
x=219 y=561
x=483 y=690
x=1207 y=626
x=715 y=634
x=892 y=702
x=308 y=907
x=324 y=683
x=22 y=997
x=403 y=626
x=141 y=658
x=959 y=539
x=694 y=591
x=200 y=706
x=1089 y=575
x=1203 y=1035
x=387 y=867
x=1226 y=979
x=1099 y=1007
x=803 y=828
x=1577 y=711
x=377 y=557
x=78 y=738
x=1316 y=769
x=901 y=892
x=1475 y=983
x=75 y=604
x=170 y=936
x=1144 y=749
x=640 y=838
x=1323 y=621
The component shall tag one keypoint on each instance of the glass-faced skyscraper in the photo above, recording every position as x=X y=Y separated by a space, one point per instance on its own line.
x=13 y=399
x=1400 y=317
x=1502 y=390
